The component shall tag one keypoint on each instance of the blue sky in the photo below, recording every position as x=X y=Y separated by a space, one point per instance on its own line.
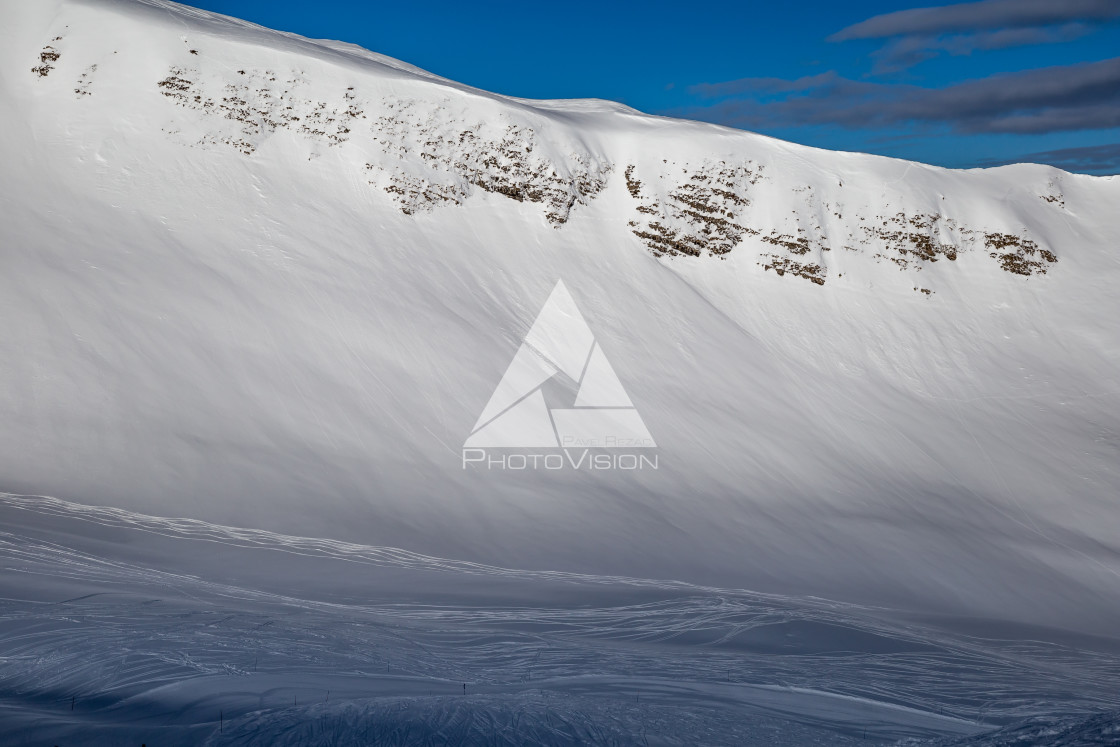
x=976 y=83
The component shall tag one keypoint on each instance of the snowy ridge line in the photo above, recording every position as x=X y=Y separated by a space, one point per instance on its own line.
x=842 y=613
x=190 y=18
x=424 y=154
x=194 y=529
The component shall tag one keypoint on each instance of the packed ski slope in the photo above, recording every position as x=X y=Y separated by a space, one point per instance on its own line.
x=267 y=282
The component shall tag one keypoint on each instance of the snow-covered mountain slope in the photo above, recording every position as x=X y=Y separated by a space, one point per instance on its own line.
x=268 y=282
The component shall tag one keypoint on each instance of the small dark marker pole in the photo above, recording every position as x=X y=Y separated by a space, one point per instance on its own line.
x=328 y=696
x=72 y=699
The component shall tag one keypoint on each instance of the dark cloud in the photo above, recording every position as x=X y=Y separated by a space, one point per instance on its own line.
x=906 y=51
x=1096 y=159
x=985 y=15
x=919 y=34
x=1055 y=99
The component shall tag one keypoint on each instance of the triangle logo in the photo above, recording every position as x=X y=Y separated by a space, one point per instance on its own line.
x=517 y=415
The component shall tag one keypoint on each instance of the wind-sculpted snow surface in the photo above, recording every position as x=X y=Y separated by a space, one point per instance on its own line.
x=117 y=627
x=1100 y=730
x=260 y=281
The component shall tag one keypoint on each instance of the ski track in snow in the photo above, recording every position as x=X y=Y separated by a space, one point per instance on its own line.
x=167 y=651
